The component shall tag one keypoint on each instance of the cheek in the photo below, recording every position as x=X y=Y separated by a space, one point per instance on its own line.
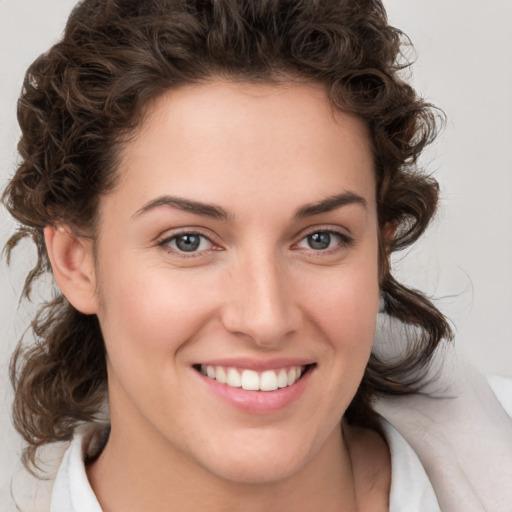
x=344 y=307
x=148 y=315
x=350 y=318
x=347 y=298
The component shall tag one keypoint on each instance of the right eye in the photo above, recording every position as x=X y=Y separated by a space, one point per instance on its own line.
x=187 y=243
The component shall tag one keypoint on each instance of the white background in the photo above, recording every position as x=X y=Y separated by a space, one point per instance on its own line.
x=464 y=65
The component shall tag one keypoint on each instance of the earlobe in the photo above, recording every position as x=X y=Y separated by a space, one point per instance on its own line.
x=72 y=262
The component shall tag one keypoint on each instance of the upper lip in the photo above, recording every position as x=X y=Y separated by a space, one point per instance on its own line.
x=258 y=364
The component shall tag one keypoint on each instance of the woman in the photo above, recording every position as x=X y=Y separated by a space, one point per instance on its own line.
x=216 y=188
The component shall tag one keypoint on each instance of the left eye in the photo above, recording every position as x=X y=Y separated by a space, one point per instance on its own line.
x=188 y=242
x=321 y=240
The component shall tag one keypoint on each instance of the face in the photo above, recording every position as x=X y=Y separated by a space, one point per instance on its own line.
x=237 y=270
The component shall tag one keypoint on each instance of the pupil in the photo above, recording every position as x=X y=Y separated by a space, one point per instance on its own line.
x=319 y=240
x=188 y=243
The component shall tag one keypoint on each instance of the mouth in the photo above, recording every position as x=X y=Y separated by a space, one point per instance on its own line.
x=252 y=380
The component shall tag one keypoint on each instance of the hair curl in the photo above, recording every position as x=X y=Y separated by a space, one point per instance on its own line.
x=88 y=93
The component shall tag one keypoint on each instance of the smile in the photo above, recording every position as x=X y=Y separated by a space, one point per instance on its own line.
x=251 y=380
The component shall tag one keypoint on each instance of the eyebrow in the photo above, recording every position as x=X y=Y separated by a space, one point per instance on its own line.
x=330 y=203
x=186 y=205
x=219 y=213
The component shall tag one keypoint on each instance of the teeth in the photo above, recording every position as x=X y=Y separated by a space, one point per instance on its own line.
x=220 y=375
x=282 y=379
x=233 y=379
x=250 y=380
x=268 y=381
x=292 y=376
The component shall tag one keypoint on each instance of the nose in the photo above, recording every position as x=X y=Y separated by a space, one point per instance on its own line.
x=260 y=303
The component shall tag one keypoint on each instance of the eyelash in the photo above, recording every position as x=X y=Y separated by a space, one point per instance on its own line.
x=344 y=241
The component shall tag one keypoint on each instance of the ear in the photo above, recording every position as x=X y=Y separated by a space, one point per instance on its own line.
x=72 y=261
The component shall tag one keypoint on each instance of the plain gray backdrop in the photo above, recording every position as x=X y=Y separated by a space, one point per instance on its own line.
x=463 y=65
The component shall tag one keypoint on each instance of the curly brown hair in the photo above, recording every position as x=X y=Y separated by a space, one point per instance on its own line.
x=84 y=98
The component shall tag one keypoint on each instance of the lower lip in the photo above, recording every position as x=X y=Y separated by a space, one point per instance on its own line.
x=259 y=402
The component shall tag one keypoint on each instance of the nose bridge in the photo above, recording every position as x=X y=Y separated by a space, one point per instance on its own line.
x=262 y=305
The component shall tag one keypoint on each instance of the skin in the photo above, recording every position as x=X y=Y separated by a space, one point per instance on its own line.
x=255 y=288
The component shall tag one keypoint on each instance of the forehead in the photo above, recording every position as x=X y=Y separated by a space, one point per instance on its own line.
x=283 y=141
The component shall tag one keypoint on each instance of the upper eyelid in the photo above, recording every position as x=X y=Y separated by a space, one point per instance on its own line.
x=337 y=230
x=167 y=235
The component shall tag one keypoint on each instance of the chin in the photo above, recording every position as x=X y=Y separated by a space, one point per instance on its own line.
x=258 y=462
x=255 y=472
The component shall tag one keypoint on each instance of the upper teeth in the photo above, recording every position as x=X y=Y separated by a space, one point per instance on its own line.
x=251 y=380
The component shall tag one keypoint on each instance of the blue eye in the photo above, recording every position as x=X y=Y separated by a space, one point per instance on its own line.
x=319 y=241
x=323 y=240
x=187 y=242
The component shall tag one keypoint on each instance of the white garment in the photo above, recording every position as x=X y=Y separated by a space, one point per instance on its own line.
x=71 y=490
x=457 y=426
